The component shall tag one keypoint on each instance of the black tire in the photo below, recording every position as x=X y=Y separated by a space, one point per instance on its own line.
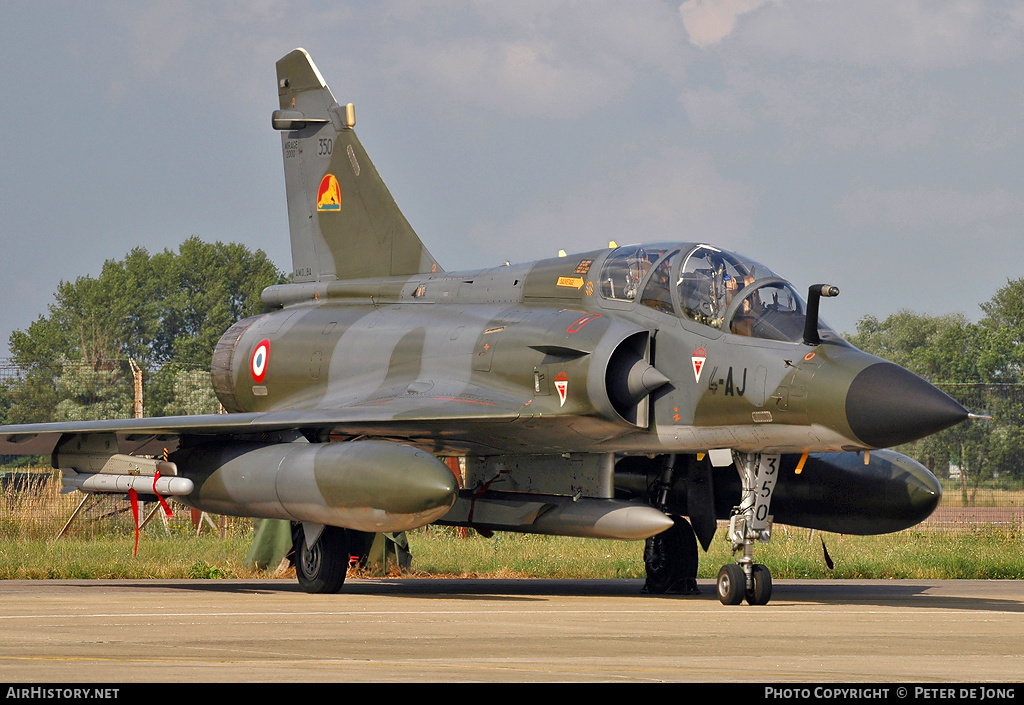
x=321 y=568
x=762 y=590
x=732 y=584
x=671 y=560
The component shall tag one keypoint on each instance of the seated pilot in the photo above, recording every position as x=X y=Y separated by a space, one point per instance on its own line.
x=743 y=319
x=657 y=294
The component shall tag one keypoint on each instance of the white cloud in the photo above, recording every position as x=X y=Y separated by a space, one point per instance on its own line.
x=709 y=21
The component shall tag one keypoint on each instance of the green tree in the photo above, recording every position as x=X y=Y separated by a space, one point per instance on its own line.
x=168 y=309
x=87 y=393
x=206 y=288
x=1003 y=331
x=191 y=391
x=937 y=348
x=1002 y=360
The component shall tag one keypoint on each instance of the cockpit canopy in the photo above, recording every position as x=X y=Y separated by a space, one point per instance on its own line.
x=710 y=286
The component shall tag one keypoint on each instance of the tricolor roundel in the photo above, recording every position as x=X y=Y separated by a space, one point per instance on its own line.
x=258 y=362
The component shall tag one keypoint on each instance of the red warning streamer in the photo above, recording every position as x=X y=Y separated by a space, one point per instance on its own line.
x=163 y=502
x=134 y=497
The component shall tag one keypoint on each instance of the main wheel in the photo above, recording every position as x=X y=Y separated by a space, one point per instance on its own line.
x=732 y=584
x=671 y=560
x=762 y=590
x=321 y=568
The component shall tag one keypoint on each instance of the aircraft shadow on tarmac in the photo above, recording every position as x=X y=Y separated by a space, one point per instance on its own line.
x=913 y=594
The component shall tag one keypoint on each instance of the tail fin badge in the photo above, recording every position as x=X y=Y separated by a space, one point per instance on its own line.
x=328 y=197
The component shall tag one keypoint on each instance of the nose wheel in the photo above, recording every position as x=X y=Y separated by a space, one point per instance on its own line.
x=732 y=585
x=761 y=590
x=750 y=523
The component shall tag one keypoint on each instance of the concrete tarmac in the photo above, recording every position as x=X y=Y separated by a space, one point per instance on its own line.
x=424 y=630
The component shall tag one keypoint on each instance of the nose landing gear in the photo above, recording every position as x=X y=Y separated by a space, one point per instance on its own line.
x=750 y=523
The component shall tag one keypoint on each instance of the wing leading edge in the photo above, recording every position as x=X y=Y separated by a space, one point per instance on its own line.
x=415 y=415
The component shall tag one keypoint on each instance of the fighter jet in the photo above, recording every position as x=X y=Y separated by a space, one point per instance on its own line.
x=639 y=392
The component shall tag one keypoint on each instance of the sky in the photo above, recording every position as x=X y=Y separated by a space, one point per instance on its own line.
x=874 y=145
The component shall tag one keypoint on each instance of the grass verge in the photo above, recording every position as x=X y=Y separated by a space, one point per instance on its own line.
x=984 y=553
x=99 y=543
x=793 y=553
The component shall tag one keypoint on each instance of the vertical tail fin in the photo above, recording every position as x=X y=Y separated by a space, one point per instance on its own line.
x=344 y=222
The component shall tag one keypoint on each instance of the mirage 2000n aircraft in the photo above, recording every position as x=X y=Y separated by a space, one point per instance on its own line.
x=640 y=392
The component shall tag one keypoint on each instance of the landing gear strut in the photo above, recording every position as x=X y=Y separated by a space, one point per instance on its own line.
x=750 y=523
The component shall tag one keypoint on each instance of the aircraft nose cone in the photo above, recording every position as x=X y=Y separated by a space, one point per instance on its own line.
x=887 y=405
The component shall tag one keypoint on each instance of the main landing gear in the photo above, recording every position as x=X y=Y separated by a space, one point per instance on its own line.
x=321 y=559
x=671 y=556
x=671 y=560
x=750 y=522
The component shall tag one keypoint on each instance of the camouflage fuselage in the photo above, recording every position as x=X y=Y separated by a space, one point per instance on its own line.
x=476 y=359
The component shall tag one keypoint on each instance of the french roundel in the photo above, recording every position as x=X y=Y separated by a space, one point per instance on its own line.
x=258 y=363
